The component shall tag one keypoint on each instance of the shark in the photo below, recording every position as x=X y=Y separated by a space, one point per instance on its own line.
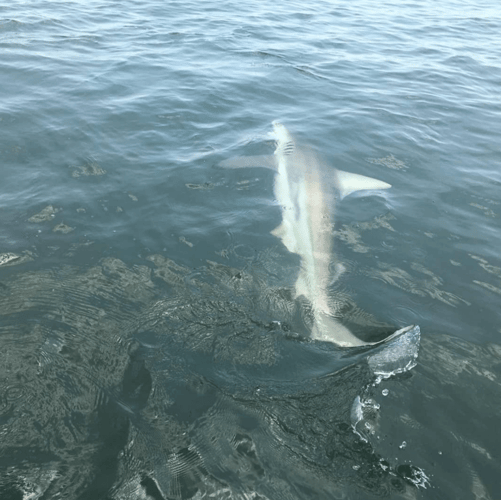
x=307 y=191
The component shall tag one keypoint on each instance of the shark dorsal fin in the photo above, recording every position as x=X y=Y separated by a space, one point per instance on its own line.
x=348 y=183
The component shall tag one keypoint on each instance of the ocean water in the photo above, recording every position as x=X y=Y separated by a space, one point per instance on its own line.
x=150 y=343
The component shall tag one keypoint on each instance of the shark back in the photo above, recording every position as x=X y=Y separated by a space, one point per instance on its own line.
x=305 y=190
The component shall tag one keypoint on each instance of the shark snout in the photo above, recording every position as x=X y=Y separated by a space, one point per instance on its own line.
x=281 y=134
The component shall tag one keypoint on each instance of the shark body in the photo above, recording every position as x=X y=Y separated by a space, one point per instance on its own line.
x=306 y=191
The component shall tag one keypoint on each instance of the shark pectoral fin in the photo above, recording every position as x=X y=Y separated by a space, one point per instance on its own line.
x=348 y=183
x=266 y=161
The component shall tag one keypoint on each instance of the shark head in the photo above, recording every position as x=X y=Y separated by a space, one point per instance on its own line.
x=285 y=141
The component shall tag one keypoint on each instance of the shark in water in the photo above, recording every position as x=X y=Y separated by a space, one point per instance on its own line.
x=306 y=191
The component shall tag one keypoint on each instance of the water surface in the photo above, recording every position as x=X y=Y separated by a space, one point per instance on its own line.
x=150 y=343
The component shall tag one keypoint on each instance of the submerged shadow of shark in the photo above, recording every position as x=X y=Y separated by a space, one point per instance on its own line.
x=306 y=191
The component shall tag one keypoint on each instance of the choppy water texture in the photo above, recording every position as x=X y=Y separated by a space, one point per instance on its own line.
x=150 y=344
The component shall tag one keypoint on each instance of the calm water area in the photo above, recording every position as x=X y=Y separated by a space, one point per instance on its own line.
x=151 y=346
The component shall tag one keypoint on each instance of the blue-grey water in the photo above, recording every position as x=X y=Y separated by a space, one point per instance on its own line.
x=150 y=343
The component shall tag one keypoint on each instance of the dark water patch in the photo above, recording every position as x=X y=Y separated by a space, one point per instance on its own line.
x=186 y=376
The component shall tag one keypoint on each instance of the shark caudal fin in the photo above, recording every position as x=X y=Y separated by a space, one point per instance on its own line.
x=328 y=329
x=348 y=183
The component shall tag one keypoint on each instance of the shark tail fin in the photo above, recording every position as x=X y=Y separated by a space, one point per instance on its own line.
x=327 y=328
x=266 y=161
x=348 y=183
